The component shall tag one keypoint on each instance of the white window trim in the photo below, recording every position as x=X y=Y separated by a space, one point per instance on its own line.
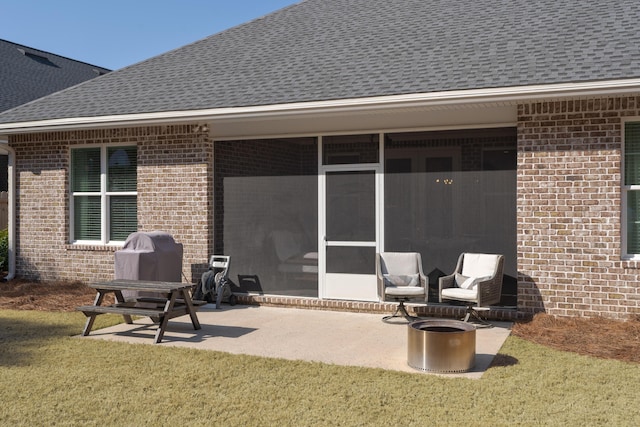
x=104 y=197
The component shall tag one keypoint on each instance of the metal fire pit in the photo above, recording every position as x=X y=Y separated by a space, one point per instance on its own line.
x=445 y=346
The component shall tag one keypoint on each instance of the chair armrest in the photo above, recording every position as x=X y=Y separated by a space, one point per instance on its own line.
x=489 y=291
x=424 y=284
x=445 y=282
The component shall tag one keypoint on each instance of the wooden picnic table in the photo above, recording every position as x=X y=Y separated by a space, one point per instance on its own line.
x=173 y=300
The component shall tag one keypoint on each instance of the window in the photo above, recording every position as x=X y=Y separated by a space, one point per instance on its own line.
x=103 y=193
x=631 y=188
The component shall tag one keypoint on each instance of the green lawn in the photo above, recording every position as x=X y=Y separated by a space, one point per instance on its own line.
x=48 y=377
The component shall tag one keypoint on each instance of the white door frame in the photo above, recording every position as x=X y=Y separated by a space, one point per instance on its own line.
x=367 y=283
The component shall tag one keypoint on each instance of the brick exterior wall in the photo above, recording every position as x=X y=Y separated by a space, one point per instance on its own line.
x=569 y=209
x=175 y=194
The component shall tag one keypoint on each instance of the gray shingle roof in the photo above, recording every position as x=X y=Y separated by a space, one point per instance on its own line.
x=27 y=74
x=339 y=49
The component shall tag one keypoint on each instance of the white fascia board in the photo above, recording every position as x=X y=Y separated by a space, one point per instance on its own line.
x=447 y=99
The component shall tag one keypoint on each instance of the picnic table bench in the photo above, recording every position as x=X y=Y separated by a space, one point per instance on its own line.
x=174 y=300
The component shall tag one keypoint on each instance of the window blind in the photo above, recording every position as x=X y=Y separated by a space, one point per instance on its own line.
x=124 y=216
x=632 y=154
x=121 y=169
x=633 y=222
x=85 y=170
x=632 y=177
x=86 y=217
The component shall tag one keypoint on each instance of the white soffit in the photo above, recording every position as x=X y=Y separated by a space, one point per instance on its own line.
x=438 y=101
x=381 y=120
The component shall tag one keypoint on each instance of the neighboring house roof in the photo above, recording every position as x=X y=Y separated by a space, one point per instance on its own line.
x=27 y=74
x=320 y=50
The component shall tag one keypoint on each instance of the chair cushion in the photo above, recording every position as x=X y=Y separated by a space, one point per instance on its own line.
x=399 y=263
x=401 y=280
x=479 y=265
x=469 y=282
x=412 y=291
x=460 y=279
x=460 y=294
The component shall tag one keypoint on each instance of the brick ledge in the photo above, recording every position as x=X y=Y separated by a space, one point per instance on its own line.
x=92 y=248
x=436 y=310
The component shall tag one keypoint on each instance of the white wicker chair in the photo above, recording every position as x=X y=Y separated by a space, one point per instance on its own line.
x=400 y=278
x=476 y=281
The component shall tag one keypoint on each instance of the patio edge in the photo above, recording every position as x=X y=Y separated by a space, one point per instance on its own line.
x=421 y=310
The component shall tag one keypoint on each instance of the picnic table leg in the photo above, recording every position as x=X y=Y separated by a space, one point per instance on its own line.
x=89 y=323
x=164 y=318
x=120 y=300
x=192 y=312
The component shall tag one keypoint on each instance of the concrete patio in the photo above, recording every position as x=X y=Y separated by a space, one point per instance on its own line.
x=341 y=338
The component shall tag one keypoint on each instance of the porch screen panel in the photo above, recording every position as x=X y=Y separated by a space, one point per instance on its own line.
x=266 y=214
x=451 y=192
x=351 y=260
x=351 y=206
x=350 y=149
